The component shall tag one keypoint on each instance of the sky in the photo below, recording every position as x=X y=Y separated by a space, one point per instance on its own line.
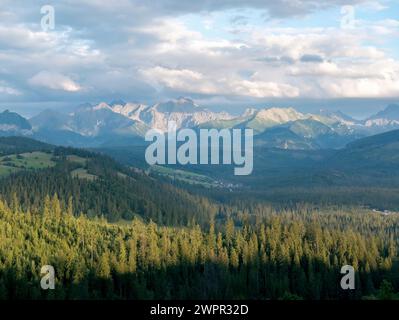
x=225 y=54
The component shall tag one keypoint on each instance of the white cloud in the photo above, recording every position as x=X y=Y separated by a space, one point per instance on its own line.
x=366 y=88
x=376 y=5
x=54 y=81
x=18 y=37
x=6 y=89
x=120 y=49
x=180 y=80
x=260 y=89
x=340 y=64
x=195 y=82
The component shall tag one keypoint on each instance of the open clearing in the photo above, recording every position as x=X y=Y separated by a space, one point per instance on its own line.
x=25 y=161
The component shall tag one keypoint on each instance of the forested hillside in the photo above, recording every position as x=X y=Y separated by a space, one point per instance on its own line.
x=11 y=145
x=290 y=255
x=97 y=184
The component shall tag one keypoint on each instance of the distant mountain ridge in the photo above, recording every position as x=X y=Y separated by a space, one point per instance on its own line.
x=122 y=122
x=185 y=112
x=12 y=123
x=391 y=112
x=387 y=118
x=378 y=151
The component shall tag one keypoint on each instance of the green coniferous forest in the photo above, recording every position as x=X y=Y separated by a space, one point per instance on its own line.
x=115 y=232
x=287 y=255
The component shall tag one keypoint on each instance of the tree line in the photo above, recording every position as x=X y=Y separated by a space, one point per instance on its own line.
x=293 y=254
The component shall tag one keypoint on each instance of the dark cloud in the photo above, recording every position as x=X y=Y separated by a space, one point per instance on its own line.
x=312 y=58
x=277 y=61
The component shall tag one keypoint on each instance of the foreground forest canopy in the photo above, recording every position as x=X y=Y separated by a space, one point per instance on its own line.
x=289 y=255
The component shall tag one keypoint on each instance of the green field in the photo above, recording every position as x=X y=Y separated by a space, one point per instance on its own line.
x=4 y=170
x=83 y=174
x=25 y=161
x=184 y=176
x=40 y=160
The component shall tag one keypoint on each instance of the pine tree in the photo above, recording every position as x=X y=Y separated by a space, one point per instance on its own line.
x=104 y=269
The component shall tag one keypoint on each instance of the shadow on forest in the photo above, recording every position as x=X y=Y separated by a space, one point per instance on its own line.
x=259 y=281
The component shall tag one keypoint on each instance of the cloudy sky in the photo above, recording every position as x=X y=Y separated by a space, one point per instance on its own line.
x=222 y=53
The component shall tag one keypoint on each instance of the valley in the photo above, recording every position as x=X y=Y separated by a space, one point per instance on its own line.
x=122 y=229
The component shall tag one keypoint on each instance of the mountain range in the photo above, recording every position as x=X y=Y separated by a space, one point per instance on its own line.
x=121 y=123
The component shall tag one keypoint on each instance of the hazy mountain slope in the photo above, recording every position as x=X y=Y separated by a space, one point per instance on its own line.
x=391 y=112
x=387 y=119
x=377 y=152
x=335 y=116
x=87 y=126
x=98 y=121
x=268 y=118
x=15 y=145
x=12 y=123
x=305 y=134
x=369 y=162
x=184 y=112
x=63 y=138
x=50 y=120
x=283 y=138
